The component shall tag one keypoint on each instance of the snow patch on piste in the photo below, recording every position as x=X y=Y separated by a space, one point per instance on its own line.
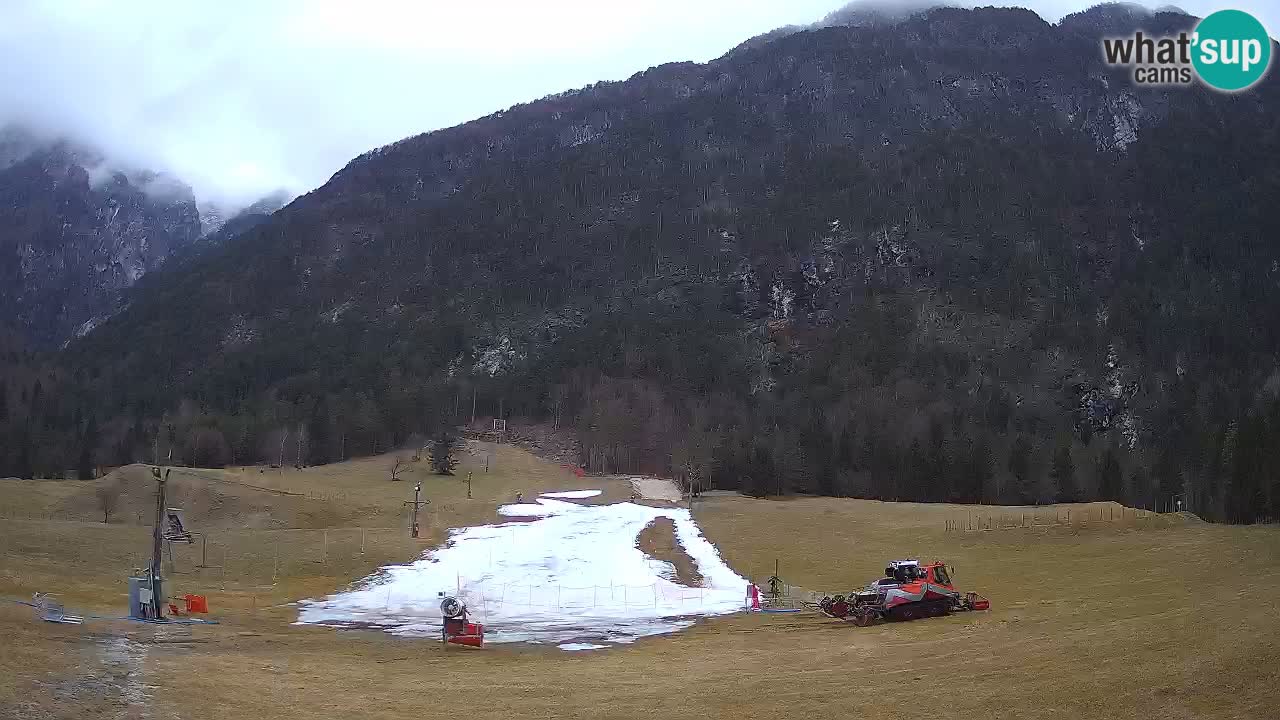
x=572 y=494
x=526 y=510
x=573 y=647
x=573 y=575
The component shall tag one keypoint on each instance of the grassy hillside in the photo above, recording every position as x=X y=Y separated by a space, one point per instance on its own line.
x=1169 y=618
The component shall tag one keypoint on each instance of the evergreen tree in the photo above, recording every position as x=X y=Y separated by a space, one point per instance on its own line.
x=979 y=471
x=4 y=402
x=1167 y=475
x=88 y=445
x=760 y=472
x=442 y=460
x=920 y=485
x=1023 y=491
x=1063 y=472
x=846 y=450
x=1139 y=490
x=318 y=432
x=23 y=466
x=1110 y=475
x=942 y=485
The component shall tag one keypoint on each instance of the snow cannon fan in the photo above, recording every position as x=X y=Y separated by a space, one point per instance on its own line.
x=456 y=629
x=452 y=607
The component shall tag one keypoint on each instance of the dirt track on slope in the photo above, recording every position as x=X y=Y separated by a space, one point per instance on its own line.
x=651 y=488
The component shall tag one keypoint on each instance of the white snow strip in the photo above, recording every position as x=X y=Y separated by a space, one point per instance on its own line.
x=571 y=647
x=573 y=575
x=572 y=494
x=540 y=509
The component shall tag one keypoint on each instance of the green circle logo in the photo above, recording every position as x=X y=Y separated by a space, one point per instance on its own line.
x=1231 y=50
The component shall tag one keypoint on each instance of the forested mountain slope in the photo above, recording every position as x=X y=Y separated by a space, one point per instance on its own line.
x=952 y=258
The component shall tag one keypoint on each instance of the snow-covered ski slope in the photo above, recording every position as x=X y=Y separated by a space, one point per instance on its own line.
x=571 y=574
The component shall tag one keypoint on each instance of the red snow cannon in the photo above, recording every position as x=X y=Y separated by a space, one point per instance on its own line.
x=457 y=630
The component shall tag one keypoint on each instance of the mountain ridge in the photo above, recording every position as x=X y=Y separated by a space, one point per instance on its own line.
x=76 y=232
x=800 y=266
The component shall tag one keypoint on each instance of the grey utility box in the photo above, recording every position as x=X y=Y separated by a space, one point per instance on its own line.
x=140 y=607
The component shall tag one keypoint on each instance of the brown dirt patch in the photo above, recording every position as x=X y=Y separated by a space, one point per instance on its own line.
x=658 y=541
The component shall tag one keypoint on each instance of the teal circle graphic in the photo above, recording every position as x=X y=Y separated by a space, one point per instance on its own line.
x=1231 y=50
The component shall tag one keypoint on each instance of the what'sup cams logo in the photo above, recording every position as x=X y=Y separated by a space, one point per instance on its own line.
x=1229 y=51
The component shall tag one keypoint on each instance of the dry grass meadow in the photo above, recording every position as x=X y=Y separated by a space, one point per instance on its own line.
x=1163 y=617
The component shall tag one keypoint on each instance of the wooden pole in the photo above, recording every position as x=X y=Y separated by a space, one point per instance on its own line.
x=417 y=490
x=157 y=541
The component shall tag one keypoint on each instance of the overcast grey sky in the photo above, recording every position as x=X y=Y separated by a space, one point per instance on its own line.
x=239 y=98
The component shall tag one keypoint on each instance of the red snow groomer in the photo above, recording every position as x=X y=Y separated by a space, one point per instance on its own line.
x=908 y=591
x=457 y=630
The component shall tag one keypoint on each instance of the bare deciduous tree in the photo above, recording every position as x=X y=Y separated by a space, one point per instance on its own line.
x=108 y=496
x=693 y=455
x=398 y=465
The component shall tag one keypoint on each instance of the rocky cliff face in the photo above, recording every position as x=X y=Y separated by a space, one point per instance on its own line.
x=72 y=235
x=75 y=233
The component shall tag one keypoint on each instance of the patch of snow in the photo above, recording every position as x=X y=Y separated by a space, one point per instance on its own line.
x=1128 y=425
x=572 y=647
x=334 y=314
x=1115 y=387
x=575 y=575
x=782 y=298
x=1125 y=118
x=1116 y=124
x=87 y=326
x=526 y=510
x=572 y=494
x=501 y=356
